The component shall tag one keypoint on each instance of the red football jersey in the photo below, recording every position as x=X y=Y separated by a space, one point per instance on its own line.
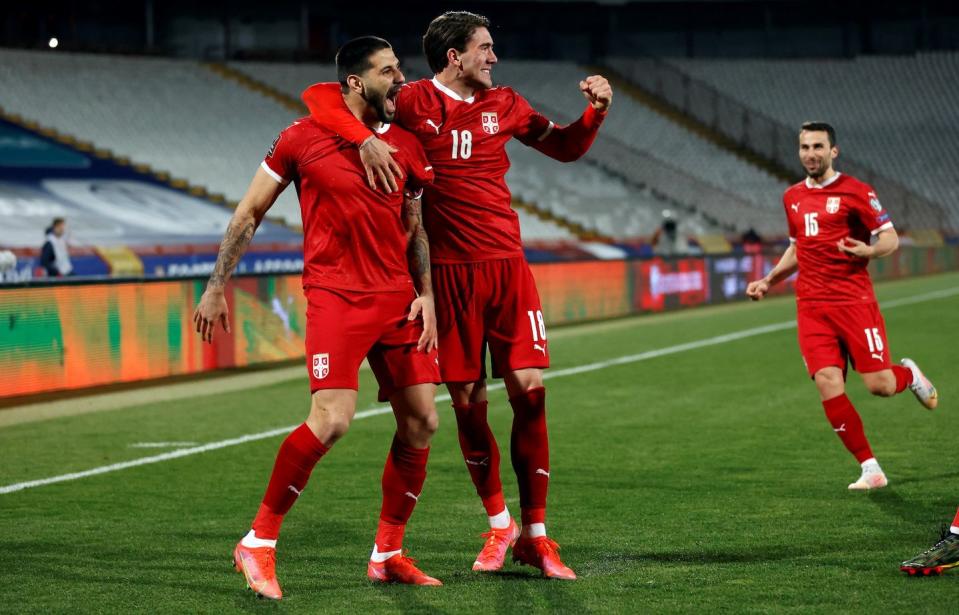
x=467 y=211
x=354 y=238
x=819 y=217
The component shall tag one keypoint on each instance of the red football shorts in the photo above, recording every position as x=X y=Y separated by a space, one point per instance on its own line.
x=342 y=327
x=489 y=303
x=830 y=334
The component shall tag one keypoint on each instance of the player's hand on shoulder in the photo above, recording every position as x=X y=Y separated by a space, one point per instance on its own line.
x=757 y=289
x=377 y=158
x=211 y=309
x=597 y=91
x=855 y=247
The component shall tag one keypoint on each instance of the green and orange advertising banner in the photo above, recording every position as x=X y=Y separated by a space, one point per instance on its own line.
x=80 y=335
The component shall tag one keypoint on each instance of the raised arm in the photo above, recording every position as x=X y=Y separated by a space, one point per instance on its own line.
x=325 y=102
x=569 y=143
x=418 y=255
x=258 y=199
x=786 y=266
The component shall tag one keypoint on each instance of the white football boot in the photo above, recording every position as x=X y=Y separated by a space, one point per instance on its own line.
x=872 y=478
x=924 y=391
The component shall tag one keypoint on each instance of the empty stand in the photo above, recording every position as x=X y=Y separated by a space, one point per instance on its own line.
x=176 y=116
x=895 y=116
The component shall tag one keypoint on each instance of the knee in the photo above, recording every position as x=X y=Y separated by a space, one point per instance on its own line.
x=464 y=393
x=328 y=422
x=426 y=425
x=883 y=387
x=418 y=430
x=830 y=384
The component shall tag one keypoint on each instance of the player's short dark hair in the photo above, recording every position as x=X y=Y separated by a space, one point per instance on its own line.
x=57 y=221
x=821 y=127
x=451 y=30
x=353 y=57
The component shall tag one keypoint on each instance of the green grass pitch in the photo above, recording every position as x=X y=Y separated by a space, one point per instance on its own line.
x=703 y=479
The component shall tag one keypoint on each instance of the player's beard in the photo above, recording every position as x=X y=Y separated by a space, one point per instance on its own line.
x=822 y=167
x=385 y=112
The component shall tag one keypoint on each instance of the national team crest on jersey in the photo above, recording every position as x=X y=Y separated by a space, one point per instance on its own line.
x=321 y=365
x=490 y=122
x=832 y=204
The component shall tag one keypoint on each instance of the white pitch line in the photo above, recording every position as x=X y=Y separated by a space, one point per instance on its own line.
x=560 y=373
x=161 y=444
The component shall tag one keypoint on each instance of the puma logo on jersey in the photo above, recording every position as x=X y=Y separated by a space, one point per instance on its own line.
x=877 y=357
x=795 y=207
x=436 y=127
x=539 y=348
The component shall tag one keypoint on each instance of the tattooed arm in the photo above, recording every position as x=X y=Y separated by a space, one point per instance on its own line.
x=212 y=308
x=418 y=256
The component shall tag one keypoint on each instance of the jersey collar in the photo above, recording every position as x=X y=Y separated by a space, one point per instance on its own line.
x=828 y=182
x=442 y=88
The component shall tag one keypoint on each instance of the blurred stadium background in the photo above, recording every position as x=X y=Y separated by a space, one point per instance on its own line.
x=142 y=123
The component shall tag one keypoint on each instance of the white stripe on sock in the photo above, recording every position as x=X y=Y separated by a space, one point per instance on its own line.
x=250 y=541
x=378 y=557
x=534 y=530
x=500 y=521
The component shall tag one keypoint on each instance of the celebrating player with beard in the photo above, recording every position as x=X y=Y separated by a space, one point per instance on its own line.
x=360 y=248
x=485 y=292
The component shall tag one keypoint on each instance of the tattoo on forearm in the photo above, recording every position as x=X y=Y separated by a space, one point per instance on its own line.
x=419 y=248
x=237 y=238
x=420 y=260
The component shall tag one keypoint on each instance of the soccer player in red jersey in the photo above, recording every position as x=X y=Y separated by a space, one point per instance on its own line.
x=485 y=292
x=832 y=219
x=360 y=248
x=939 y=557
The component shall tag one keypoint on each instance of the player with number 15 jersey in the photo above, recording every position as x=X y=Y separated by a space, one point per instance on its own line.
x=832 y=219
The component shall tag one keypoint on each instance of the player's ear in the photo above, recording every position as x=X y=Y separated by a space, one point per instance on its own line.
x=355 y=84
x=453 y=58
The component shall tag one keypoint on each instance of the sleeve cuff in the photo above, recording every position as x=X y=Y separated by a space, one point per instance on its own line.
x=273 y=174
x=884 y=227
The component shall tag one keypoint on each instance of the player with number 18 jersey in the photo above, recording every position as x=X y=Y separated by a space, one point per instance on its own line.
x=485 y=293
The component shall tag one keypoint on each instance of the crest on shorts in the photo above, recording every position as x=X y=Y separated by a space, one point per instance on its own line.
x=490 y=122
x=321 y=365
x=832 y=204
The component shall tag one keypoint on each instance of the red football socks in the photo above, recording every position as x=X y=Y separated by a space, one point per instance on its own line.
x=403 y=478
x=847 y=424
x=481 y=453
x=529 y=449
x=296 y=459
x=903 y=377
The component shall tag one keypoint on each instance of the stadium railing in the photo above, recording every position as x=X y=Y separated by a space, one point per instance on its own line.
x=761 y=134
